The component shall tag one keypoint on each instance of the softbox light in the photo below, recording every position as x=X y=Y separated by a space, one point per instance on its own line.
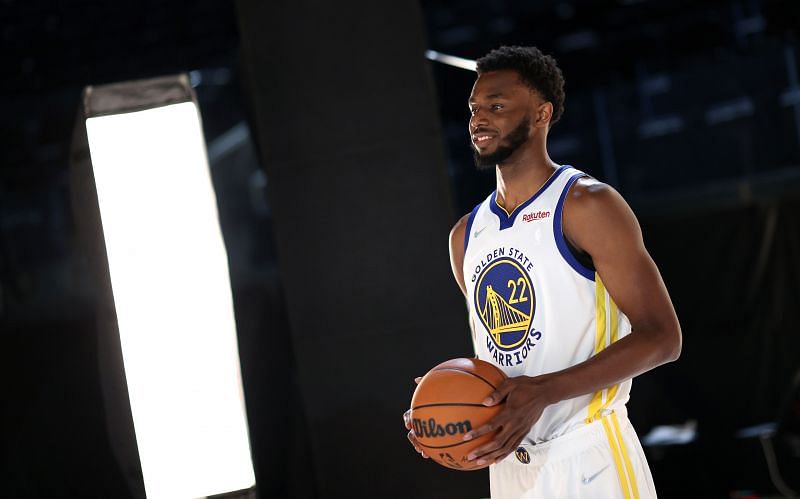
x=145 y=204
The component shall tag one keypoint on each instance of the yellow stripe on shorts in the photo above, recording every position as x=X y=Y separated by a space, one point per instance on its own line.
x=625 y=458
x=612 y=443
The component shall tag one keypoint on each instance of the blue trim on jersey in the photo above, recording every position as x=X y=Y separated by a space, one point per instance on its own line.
x=558 y=232
x=507 y=220
x=469 y=225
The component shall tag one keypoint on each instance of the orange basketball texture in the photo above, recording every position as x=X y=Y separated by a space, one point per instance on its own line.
x=447 y=404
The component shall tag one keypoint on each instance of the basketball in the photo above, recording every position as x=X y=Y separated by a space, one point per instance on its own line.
x=447 y=404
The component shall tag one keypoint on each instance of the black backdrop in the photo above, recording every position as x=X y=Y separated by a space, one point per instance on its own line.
x=741 y=343
x=350 y=140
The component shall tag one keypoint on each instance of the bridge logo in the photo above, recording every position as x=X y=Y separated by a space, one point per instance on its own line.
x=505 y=301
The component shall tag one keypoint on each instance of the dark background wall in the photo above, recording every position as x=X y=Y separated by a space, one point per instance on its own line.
x=692 y=111
x=352 y=149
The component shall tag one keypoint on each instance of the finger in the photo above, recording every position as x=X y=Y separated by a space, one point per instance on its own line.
x=511 y=445
x=499 y=394
x=407 y=419
x=506 y=436
x=417 y=379
x=493 y=457
x=413 y=439
x=493 y=424
x=482 y=453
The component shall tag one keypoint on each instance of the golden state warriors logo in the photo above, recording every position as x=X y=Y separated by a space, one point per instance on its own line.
x=505 y=301
x=522 y=455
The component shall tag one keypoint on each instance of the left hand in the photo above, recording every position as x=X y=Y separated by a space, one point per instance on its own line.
x=525 y=400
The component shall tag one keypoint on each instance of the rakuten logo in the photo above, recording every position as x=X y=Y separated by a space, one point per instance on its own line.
x=536 y=215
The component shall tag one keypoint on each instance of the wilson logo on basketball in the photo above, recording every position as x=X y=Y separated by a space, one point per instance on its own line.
x=536 y=215
x=431 y=429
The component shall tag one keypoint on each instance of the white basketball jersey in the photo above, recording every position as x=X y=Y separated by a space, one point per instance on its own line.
x=534 y=307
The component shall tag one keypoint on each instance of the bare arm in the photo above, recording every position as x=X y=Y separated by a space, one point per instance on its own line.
x=598 y=221
x=457 y=260
x=456 y=264
x=457 y=251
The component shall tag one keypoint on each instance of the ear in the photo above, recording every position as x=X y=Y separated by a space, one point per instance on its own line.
x=543 y=114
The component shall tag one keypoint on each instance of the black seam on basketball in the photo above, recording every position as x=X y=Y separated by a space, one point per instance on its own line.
x=465 y=404
x=468 y=372
x=443 y=446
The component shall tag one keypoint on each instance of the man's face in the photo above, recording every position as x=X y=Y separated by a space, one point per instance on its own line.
x=500 y=105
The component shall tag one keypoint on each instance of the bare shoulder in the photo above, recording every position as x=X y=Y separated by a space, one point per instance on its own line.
x=588 y=193
x=461 y=225
x=595 y=208
x=458 y=231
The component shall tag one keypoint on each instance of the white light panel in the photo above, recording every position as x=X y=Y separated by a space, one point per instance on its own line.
x=169 y=276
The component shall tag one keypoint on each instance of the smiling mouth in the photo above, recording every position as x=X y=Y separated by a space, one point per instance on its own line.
x=481 y=140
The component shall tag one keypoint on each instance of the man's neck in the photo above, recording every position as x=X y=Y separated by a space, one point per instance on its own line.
x=521 y=178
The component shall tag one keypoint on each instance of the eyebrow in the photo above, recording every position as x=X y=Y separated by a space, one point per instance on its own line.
x=495 y=95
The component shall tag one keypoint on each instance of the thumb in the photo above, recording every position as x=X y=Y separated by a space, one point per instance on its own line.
x=498 y=395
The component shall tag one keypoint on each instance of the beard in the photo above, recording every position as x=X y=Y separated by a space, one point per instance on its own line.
x=508 y=145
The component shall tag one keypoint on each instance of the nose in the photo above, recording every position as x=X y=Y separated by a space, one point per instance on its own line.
x=478 y=119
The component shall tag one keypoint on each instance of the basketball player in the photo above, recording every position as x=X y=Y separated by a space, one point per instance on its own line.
x=562 y=296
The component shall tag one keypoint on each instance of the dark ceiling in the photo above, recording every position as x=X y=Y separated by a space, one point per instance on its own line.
x=697 y=53
x=50 y=50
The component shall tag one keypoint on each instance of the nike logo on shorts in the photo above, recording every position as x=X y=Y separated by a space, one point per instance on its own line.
x=587 y=480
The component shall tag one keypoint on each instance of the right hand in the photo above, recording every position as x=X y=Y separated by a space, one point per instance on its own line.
x=411 y=436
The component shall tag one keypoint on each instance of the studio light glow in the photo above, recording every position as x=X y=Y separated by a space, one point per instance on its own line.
x=171 y=289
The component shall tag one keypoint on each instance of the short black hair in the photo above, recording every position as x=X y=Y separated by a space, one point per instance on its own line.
x=537 y=70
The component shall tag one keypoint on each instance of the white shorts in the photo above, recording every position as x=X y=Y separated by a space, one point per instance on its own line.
x=601 y=460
